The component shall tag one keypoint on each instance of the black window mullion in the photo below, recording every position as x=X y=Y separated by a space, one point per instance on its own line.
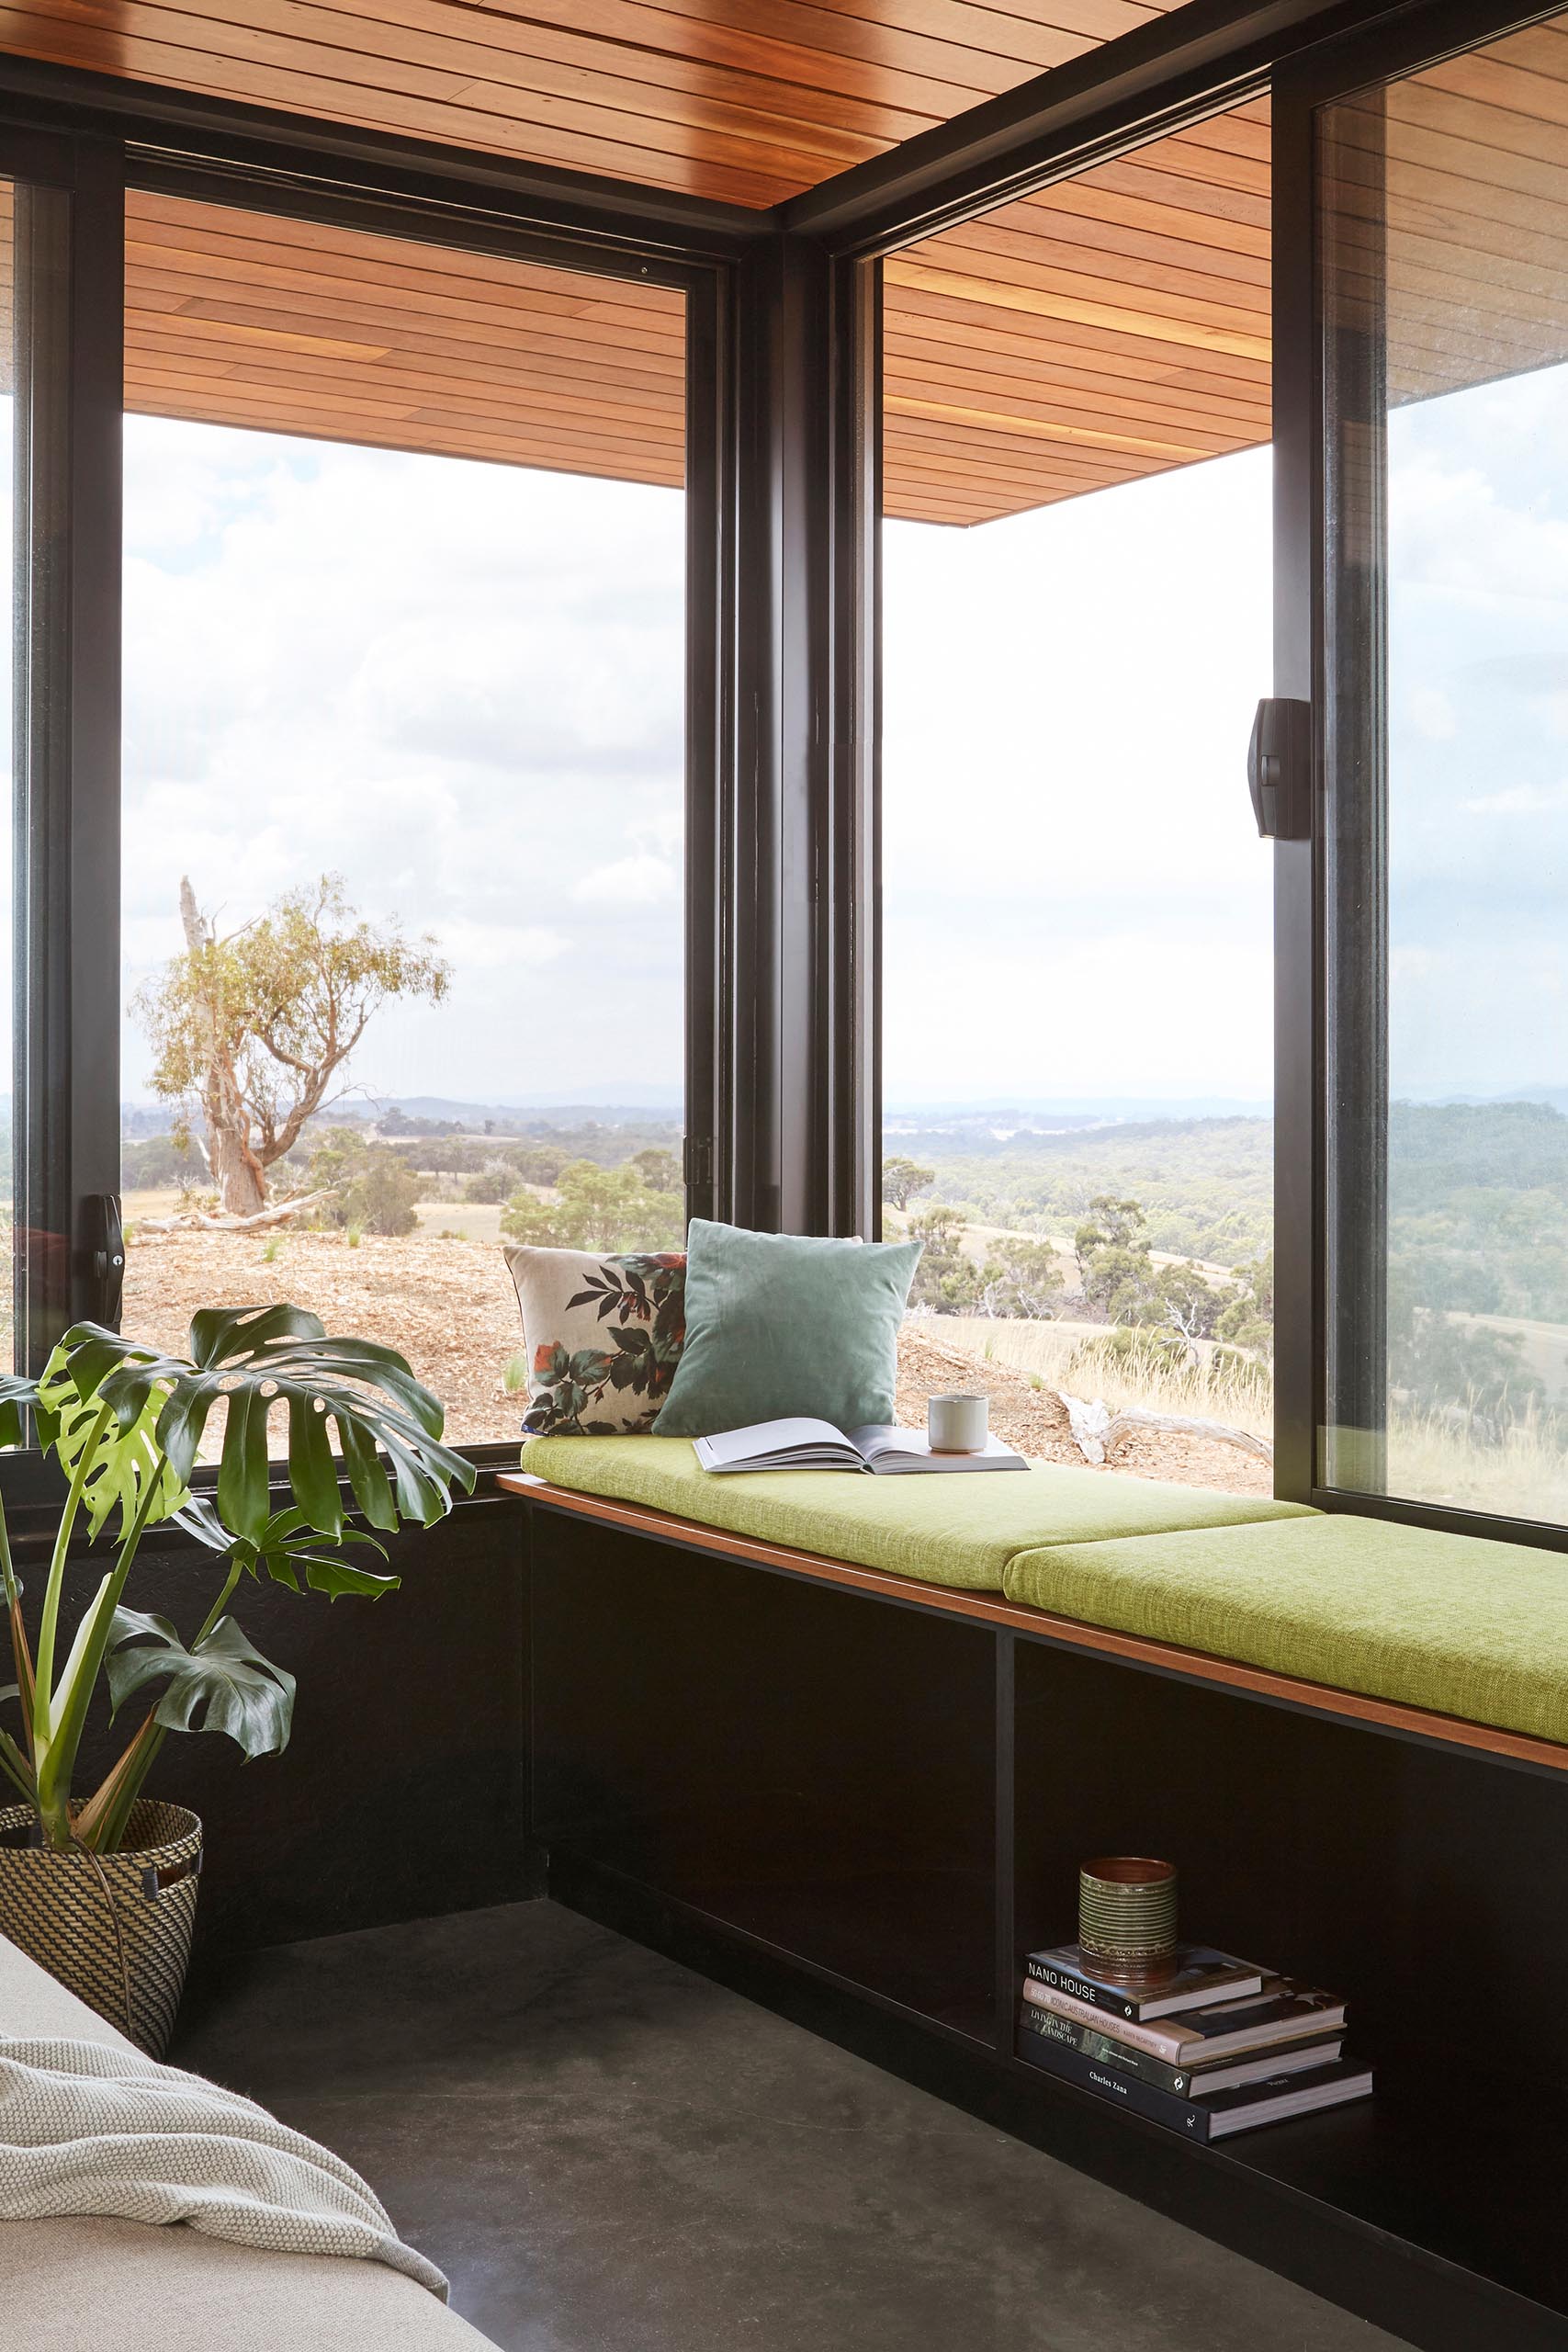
x=70 y=308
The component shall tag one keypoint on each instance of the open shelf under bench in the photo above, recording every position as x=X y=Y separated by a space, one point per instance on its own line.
x=865 y=1800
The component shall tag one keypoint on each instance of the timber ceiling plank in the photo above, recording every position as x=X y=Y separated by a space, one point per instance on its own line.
x=1100 y=330
x=748 y=100
x=251 y=319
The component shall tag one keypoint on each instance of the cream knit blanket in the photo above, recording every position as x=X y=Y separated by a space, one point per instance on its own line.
x=90 y=2128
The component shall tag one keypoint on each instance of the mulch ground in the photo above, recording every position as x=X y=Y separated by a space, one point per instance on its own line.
x=450 y=1307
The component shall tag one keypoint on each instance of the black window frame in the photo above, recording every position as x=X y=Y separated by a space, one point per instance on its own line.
x=784 y=585
x=67 y=1096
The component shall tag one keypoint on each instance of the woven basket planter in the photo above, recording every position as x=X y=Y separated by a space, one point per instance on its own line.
x=113 y=1928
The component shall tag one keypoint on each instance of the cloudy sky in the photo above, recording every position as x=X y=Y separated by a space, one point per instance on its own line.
x=1478 y=782
x=1077 y=903
x=459 y=686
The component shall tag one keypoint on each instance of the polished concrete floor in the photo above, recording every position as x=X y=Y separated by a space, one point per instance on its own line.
x=608 y=2153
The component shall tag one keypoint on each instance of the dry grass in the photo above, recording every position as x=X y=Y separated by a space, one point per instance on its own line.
x=1072 y=1356
x=1524 y=1477
x=449 y=1305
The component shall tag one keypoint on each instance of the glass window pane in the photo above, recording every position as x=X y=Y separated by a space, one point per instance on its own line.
x=1446 y=242
x=404 y=782
x=1077 y=1012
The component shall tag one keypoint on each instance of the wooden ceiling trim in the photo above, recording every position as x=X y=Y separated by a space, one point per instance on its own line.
x=1130 y=191
x=268 y=395
x=995 y=461
x=1201 y=425
x=1042 y=420
x=238 y=319
x=1072 y=371
x=618 y=407
x=1217 y=331
x=1078 y=352
x=164 y=327
x=164 y=250
x=377 y=304
x=1125 y=265
x=1003 y=477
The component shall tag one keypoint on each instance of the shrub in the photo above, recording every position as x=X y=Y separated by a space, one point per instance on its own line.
x=376 y=1189
x=491 y=1186
x=597 y=1208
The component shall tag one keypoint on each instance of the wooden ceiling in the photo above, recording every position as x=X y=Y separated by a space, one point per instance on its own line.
x=1468 y=248
x=1113 y=326
x=749 y=100
x=245 y=318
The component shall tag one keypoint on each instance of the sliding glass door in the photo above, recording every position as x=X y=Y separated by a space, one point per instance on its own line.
x=1438 y=616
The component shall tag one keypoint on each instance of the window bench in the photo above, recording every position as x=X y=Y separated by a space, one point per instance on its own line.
x=1454 y=1637
x=843 y=1743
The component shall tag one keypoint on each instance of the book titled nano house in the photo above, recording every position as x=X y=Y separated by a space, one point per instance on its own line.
x=1198 y=1976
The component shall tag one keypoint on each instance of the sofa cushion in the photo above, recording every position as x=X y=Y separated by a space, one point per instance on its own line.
x=955 y=1531
x=603 y=1335
x=783 y=1323
x=1456 y=1624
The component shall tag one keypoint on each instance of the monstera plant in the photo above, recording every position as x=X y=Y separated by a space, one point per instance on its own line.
x=126 y=1423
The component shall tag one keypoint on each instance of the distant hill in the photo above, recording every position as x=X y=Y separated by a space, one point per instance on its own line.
x=1205 y=1184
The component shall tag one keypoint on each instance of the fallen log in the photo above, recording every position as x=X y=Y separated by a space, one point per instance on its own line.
x=199 y=1221
x=1097 y=1430
x=1122 y=1424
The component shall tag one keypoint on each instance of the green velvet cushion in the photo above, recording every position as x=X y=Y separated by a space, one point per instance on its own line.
x=1453 y=1623
x=956 y=1529
x=778 y=1324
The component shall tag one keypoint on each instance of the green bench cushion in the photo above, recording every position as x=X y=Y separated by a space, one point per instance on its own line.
x=960 y=1531
x=1452 y=1622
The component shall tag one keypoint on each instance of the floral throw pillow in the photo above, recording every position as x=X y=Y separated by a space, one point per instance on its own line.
x=603 y=1337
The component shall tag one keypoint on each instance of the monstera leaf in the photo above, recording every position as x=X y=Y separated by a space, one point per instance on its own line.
x=290 y=1552
x=253 y=1360
x=128 y=1474
x=222 y=1680
x=18 y=1396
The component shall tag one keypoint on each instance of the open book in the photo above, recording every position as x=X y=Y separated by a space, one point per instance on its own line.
x=817 y=1445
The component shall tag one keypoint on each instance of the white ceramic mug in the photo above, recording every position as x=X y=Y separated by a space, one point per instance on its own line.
x=956 y=1424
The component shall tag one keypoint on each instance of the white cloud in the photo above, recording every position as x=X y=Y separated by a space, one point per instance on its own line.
x=639 y=881
x=1432 y=714
x=450 y=683
x=1519 y=800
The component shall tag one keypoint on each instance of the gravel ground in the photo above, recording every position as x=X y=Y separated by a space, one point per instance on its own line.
x=449 y=1305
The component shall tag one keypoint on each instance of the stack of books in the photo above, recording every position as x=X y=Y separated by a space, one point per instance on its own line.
x=1215 y=2047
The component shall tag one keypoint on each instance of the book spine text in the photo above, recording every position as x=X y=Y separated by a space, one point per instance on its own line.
x=1092 y=2042
x=1116 y=2089
x=1116 y=2004
x=1158 y=2040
